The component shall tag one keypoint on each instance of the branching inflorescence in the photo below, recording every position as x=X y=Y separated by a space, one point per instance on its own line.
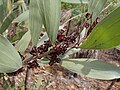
x=64 y=41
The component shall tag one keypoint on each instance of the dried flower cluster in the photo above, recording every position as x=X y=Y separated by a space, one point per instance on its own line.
x=63 y=41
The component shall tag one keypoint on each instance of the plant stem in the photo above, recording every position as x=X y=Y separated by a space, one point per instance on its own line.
x=45 y=54
x=39 y=57
x=27 y=78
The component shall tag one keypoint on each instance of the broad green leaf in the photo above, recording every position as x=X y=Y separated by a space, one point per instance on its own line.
x=69 y=52
x=10 y=60
x=7 y=21
x=22 y=45
x=95 y=7
x=75 y=1
x=92 y=68
x=35 y=21
x=22 y=17
x=106 y=34
x=50 y=14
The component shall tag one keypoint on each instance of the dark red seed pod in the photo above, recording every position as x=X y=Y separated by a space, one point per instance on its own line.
x=33 y=51
x=51 y=62
x=94 y=24
x=33 y=64
x=41 y=34
x=88 y=16
x=40 y=51
x=86 y=25
x=58 y=60
x=61 y=38
x=97 y=20
x=72 y=39
x=61 y=31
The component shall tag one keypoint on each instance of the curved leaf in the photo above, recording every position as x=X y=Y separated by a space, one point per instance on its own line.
x=95 y=7
x=8 y=21
x=75 y=1
x=22 y=45
x=10 y=60
x=22 y=17
x=106 y=34
x=50 y=14
x=35 y=21
x=92 y=68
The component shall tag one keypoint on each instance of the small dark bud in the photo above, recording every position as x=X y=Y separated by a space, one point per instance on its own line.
x=86 y=25
x=88 y=16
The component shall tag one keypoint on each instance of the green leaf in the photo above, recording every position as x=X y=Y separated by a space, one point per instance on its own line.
x=93 y=68
x=10 y=60
x=22 y=17
x=7 y=6
x=69 y=52
x=106 y=34
x=24 y=6
x=95 y=7
x=35 y=21
x=75 y=1
x=7 y=21
x=50 y=14
x=22 y=45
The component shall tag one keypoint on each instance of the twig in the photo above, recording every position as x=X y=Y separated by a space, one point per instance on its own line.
x=39 y=57
x=72 y=18
x=45 y=54
x=68 y=27
x=27 y=78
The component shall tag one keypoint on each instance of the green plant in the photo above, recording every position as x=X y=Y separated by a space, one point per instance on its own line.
x=51 y=43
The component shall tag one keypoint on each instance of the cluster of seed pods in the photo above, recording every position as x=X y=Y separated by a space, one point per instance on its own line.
x=63 y=41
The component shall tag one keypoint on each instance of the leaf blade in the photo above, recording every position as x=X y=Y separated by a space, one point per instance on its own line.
x=106 y=34
x=75 y=1
x=35 y=21
x=22 y=45
x=9 y=62
x=50 y=14
x=93 y=68
x=8 y=21
x=22 y=17
x=95 y=7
